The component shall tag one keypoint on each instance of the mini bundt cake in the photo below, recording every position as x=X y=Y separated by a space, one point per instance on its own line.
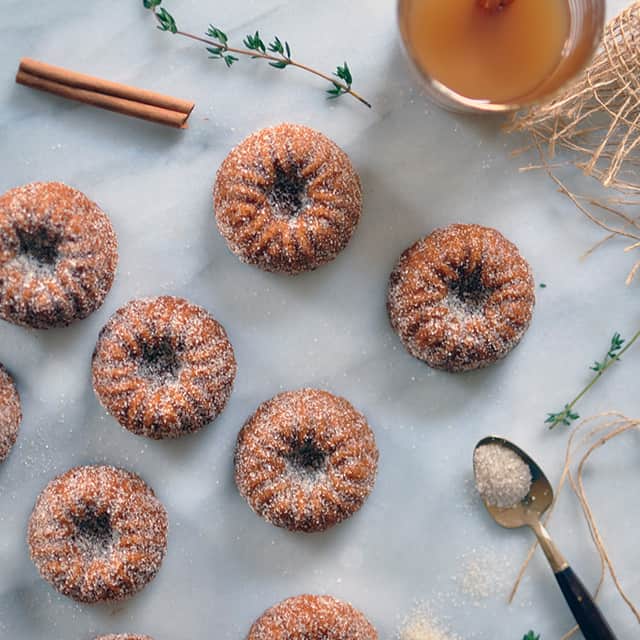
x=97 y=533
x=58 y=255
x=312 y=618
x=306 y=460
x=461 y=298
x=287 y=199
x=163 y=367
x=10 y=413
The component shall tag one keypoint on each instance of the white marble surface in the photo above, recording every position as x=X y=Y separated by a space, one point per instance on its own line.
x=421 y=168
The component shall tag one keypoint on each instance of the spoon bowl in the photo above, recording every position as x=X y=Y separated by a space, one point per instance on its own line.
x=534 y=504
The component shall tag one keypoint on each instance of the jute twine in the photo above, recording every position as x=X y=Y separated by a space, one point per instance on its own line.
x=596 y=123
x=595 y=432
x=598 y=117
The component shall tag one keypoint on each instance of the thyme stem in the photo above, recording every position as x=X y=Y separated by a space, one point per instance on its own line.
x=278 y=54
x=267 y=56
x=614 y=354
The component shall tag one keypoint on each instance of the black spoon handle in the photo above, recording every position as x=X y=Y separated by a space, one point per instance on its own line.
x=584 y=609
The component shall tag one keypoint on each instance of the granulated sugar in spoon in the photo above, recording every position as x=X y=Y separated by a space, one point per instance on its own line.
x=516 y=493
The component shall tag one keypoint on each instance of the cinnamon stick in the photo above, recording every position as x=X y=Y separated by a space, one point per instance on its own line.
x=131 y=101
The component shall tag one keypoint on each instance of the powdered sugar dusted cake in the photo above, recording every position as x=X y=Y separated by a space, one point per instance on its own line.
x=461 y=298
x=287 y=199
x=98 y=533
x=306 y=460
x=309 y=617
x=163 y=367
x=10 y=413
x=58 y=255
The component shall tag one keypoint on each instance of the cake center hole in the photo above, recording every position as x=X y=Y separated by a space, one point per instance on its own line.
x=93 y=531
x=159 y=360
x=468 y=288
x=288 y=197
x=307 y=456
x=40 y=245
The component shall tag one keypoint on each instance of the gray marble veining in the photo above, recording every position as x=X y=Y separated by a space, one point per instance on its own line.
x=421 y=168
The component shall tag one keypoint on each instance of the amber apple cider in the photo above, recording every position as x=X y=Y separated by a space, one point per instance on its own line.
x=495 y=56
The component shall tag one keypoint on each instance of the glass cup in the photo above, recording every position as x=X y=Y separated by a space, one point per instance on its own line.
x=587 y=19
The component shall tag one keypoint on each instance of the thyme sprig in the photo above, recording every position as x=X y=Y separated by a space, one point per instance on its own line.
x=614 y=353
x=276 y=52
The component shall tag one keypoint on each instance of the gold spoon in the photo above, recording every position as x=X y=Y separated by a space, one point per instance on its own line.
x=528 y=513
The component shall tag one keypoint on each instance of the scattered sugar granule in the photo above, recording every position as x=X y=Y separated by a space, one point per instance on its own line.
x=422 y=625
x=485 y=573
x=503 y=478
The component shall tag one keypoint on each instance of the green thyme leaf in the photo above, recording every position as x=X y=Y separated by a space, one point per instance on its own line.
x=167 y=23
x=616 y=345
x=565 y=417
x=254 y=42
x=335 y=92
x=229 y=60
x=276 y=46
x=218 y=34
x=344 y=73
